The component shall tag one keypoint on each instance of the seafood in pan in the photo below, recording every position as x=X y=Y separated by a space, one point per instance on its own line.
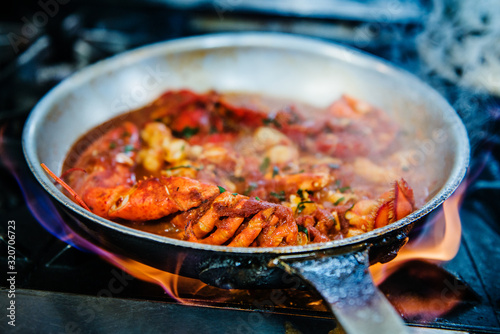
x=241 y=170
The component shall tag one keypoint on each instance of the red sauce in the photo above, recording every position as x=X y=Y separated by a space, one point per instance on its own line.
x=333 y=169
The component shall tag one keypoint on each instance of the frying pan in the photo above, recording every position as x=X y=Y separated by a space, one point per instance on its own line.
x=273 y=64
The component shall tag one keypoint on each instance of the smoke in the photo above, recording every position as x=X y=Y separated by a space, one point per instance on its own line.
x=460 y=52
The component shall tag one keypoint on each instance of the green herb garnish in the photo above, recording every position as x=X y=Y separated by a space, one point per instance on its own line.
x=112 y=145
x=303 y=230
x=235 y=194
x=344 y=189
x=281 y=196
x=221 y=190
x=265 y=165
x=337 y=202
x=301 y=206
x=128 y=148
x=302 y=192
x=258 y=199
x=346 y=211
x=188 y=132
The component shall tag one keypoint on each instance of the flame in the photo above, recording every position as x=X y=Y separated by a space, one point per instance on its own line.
x=49 y=217
x=169 y=282
x=413 y=287
x=438 y=241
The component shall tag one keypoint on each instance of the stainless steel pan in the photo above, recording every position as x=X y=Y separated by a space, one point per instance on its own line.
x=272 y=64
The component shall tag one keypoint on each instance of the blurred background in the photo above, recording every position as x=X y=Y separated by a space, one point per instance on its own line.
x=449 y=43
x=452 y=45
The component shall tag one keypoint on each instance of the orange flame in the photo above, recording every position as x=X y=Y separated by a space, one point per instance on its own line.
x=439 y=241
x=169 y=282
x=47 y=215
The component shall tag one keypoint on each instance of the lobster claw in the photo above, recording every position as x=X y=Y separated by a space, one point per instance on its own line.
x=395 y=204
x=155 y=198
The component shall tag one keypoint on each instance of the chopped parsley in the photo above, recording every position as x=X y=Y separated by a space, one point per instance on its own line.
x=258 y=199
x=281 y=196
x=188 y=132
x=112 y=145
x=344 y=189
x=301 y=206
x=221 y=190
x=301 y=192
x=303 y=230
x=235 y=194
x=341 y=189
x=337 y=202
x=265 y=165
x=352 y=206
x=126 y=134
x=128 y=148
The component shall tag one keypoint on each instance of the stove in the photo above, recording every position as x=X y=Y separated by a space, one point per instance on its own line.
x=59 y=288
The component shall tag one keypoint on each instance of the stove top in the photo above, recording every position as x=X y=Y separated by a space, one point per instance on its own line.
x=59 y=288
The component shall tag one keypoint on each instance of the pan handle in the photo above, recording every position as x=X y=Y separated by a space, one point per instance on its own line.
x=344 y=281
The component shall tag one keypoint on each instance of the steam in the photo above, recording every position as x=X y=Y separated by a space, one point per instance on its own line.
x=461 y=43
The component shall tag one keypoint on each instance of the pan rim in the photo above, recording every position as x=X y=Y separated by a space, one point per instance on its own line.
x=263 y=40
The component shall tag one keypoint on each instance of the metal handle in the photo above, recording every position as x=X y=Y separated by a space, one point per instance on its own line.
x=344 y=282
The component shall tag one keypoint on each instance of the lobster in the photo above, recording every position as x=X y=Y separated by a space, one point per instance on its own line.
x=105 y=184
